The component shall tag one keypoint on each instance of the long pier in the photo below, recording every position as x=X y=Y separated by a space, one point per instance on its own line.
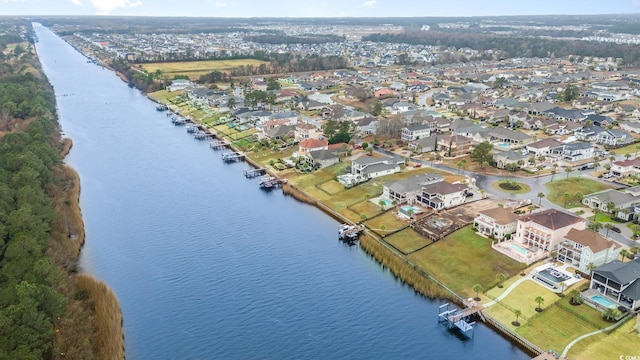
x=269 y=182
x=219 y=144
x=203 y=135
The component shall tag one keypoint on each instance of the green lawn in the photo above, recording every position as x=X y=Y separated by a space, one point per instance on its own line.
x=632 y=149
x=557 y=326
x=464 y=259
x=407 y=240
x=622 y=341
x=572 y=186
x=602 y=217
x=386 y=223
x=522 y=297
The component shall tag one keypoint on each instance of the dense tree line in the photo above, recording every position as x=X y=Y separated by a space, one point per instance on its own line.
x=283 y=39
x=509 y=46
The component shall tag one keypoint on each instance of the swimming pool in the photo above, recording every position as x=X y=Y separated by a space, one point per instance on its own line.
x=503 y=145
x=604 y=301
x=554 y=276
x=408 y=208
x=519 y=249
x=386 y=202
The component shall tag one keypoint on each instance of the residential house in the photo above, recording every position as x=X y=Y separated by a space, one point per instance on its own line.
x=498 y=222
x=279 y=132
x=312 y=144
x=424 y=145
x=306 y=131
x=454 y=145
x=542 y=147
x=601 y=200
x=614 y=137
x=367 y=125
x=619 y=282
x=180 y=84
x=416 y=132
x=407 y=190
x=588 y=133
x=630 y=125
x=573 y=151
x=443 y=195
x=505 y=158
x=507 y=138
x=322 y=158
x=544 y=230
x=626 y=167
x=372 y=167
x=582 y=249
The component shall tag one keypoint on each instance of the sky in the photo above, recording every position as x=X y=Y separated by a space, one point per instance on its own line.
x=316 y=8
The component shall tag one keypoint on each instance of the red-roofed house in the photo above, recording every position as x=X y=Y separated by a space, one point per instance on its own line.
x=312 y=145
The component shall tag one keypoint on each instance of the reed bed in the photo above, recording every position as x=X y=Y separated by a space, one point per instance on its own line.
x=108 y=337
x=403 y=270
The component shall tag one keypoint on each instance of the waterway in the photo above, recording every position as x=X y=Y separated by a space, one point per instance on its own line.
x=208 y=266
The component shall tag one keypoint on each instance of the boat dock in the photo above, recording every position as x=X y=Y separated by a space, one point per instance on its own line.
x=232 y=156
x=203 y=135
x=219 y=144
x=460 y=318
x=162 y=107
x=348 y=232
x=178 y=120
x=251 y=173
x=269 y=182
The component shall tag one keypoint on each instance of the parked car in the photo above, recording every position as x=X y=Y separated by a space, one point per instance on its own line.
x=616 y=229
x=417 y=165
x=607 y=175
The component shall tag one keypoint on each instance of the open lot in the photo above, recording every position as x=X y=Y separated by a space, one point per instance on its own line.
x=572 y=186
x=194 y=69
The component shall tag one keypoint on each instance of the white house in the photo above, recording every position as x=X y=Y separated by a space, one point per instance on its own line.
x=443 y=195
x=407 y=190
x=497 y=222
x=371 y=167
x=412 y=133
x=542 y=147
x=545 y=230
x=584 y=248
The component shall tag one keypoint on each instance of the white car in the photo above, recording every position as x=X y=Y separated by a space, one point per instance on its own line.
x=607 y=175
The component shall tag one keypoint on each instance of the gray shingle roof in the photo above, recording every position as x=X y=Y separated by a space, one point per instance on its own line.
x=622 y=273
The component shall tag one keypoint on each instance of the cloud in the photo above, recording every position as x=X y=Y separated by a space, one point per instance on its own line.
x=221 y=4
x=13 y=1
x=77 y=2
x=107 y=6
x=369 y=4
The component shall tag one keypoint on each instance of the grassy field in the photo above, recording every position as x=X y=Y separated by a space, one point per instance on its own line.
x=386 y=223
x=623 y=341
x=632 y=149
x=194 y=69
x=558 y=325
x=464 y=259
x=407 y=240
x=572 y=186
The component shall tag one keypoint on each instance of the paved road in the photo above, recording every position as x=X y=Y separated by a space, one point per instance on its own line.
x=537 y=185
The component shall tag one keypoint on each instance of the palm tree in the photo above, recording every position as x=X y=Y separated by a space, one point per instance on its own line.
x=566 y=196
x=477 y=288
x=591 y=267
x=578 y=196
x=608 y=227
x=539 y=167
x=382 y=204
x=563 y=285
x=627 y=156
x=623 y=254
x=517 y=312
x=553 y=173
x=611 y=314
x=539 y=300
x=540 y=196
x=568 y=170
x=574 y=297
x=501 y=278
x=596 y=165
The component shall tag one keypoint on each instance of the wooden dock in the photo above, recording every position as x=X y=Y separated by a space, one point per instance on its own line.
x=460 y=318
x=269 y=182
x=219 y=144
x=251 y=173
x=232 y=156
x=203 y=135
x=349 y=233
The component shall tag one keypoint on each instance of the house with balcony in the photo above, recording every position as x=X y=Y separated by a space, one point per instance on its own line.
x=498 y=222
x=309 y=145
x=626 y=167
x=454 y=145
x=582 y=249
x=571 y=152
x=306 y=131
x=616 y=281
x=412 y=133
x=614 y=137
x=407 y=190
x=542 y=147
x=544 y=230
x=443 y=195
